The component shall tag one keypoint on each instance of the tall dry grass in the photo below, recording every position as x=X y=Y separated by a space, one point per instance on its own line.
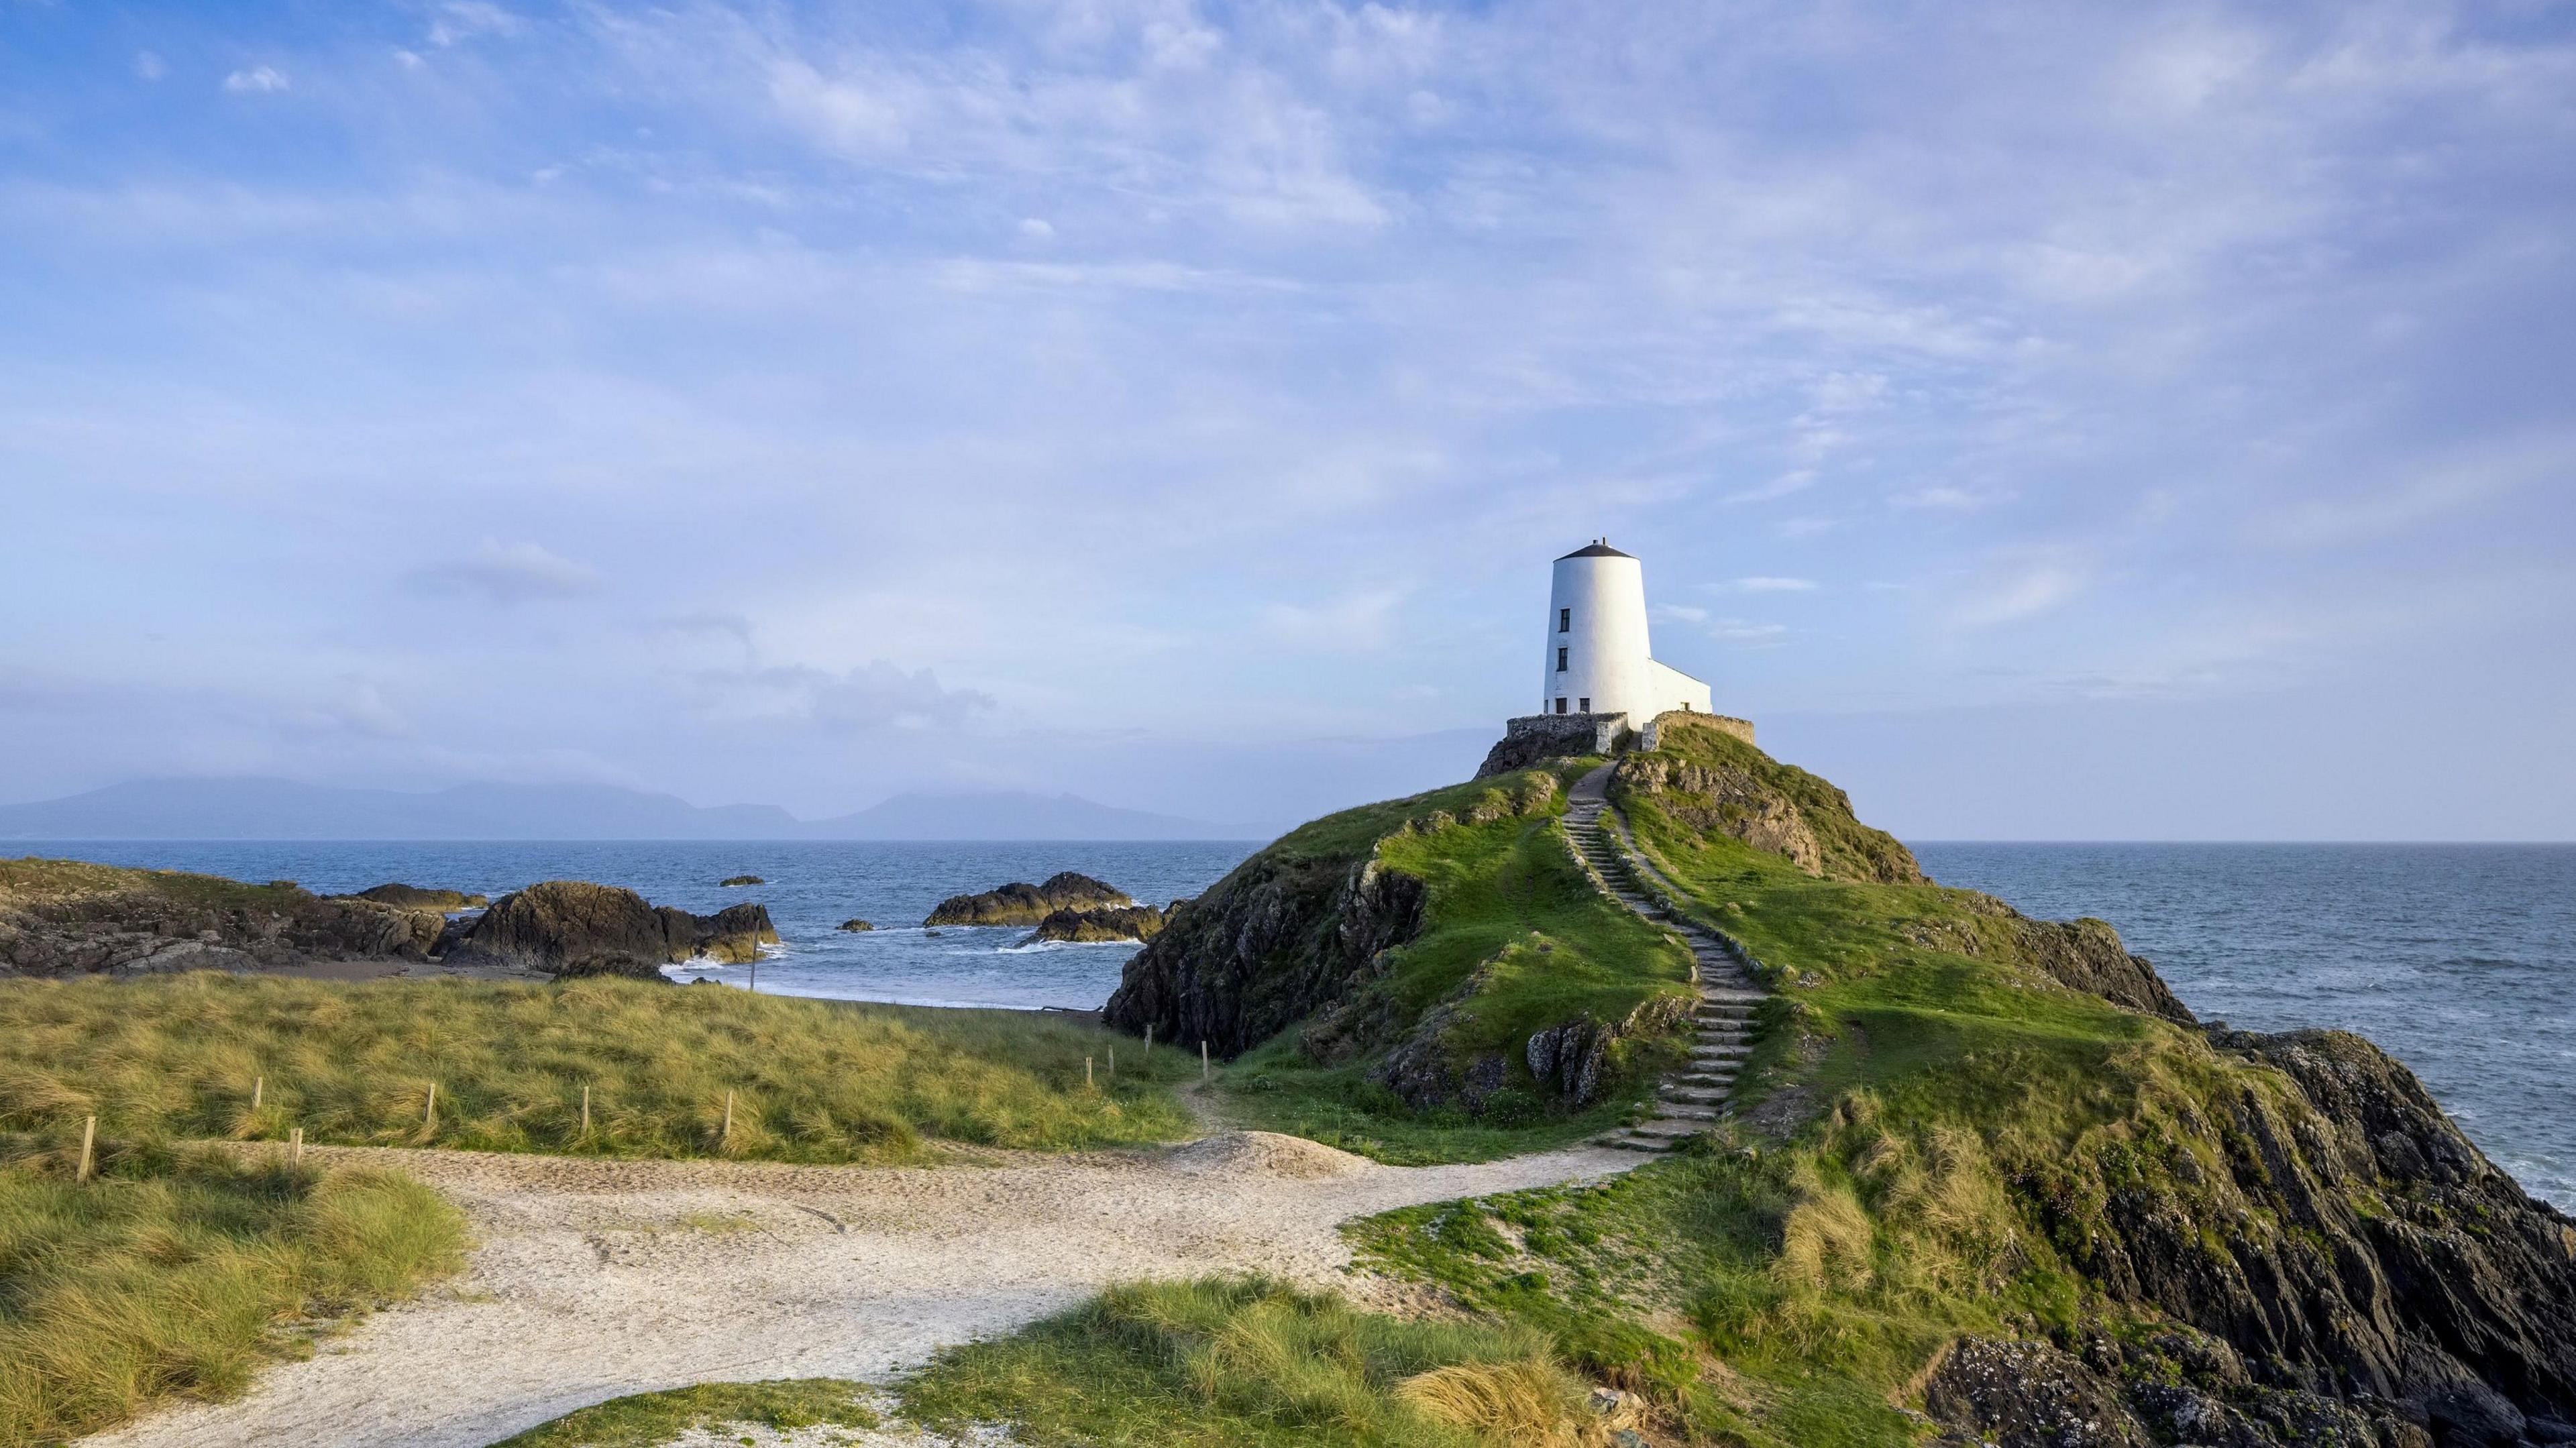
x=811 y=1081
x=1248 y=1361
x=171 y=1272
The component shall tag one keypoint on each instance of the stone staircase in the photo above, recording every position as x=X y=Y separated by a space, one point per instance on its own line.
x=1696 y=1098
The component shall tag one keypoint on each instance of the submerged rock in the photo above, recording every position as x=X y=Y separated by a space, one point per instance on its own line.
x=732 y=880
x=413 y=897
x=1024 y=904
x=854 y=924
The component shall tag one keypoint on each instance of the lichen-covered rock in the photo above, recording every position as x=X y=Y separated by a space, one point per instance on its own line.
x=1023 y=904
x=2012 y=1394
x=1103 y=924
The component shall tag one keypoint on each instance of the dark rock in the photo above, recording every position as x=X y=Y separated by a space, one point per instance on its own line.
x=2358 y=1254
x=1023 y=904
x=732 y=880
x=2029 y=1395
x=1101 y=924
x=855 y=924
x=571 y=927
x=1268 y=945
x=412 y=897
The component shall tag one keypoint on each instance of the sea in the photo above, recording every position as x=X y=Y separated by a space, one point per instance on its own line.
x=2458 y=959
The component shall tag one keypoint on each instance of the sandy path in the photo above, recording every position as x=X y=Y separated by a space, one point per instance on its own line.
x=594 y=1279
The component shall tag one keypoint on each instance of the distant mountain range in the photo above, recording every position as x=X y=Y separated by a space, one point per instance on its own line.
x=278 y=809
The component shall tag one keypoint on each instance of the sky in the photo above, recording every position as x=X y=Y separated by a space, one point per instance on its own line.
x=2097 y=422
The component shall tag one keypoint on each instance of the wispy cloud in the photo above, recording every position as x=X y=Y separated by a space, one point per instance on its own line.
x=508 y=573
x=257 y=80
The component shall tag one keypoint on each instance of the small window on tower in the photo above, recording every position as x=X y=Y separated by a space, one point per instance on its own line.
x=1560 y=706
x=1560 y=661
x=1565 y=620
x=1584 y=706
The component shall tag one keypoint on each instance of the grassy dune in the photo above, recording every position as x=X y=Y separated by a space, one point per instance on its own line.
x=812 y=1081
x=178 y=1273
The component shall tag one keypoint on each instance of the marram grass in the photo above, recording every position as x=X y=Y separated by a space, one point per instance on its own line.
x=171 y=1273
x=811 y=1081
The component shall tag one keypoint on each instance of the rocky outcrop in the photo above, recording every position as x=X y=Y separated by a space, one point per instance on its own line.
x=854 y=925
x=1102 y=925
x=2084 y=955
x=1578 y=1062
x=572 y=927
x=1582 y=1059
x=63 y=917
x=2341 y=1239
x=1270 y=944
x=412 y=897
x=1023 y=904
x=1727 y=787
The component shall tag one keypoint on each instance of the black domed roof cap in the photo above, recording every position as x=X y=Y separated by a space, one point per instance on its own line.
x=1600 y=548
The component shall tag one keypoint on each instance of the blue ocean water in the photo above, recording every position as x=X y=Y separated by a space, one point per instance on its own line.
x=2460 y=960
x=812 y=887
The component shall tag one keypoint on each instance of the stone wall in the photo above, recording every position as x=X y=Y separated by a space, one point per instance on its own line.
x=1534 y=737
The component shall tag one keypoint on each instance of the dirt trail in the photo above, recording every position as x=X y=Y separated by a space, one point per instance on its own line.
x=598 y=1278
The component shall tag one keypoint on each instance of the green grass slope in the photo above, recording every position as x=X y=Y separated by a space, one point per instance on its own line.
x=1417 y=1053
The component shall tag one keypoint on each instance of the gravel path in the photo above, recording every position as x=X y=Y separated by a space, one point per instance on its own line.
x=599 y=1278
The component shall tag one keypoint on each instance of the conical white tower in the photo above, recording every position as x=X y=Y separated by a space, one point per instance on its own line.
x=1598 y=660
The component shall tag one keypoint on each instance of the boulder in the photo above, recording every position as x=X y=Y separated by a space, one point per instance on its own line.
x=1108 y=923
x=1023 y=904
x=572 y=927
x=854 y=924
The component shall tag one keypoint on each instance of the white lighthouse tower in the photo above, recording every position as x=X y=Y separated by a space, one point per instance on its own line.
x=1598 y=660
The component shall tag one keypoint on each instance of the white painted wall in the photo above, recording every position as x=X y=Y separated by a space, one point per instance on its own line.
x=1596 y=614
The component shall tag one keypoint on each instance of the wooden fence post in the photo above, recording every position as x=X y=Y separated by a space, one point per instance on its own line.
x=727 y=1133
x=295 y=1148
x=585 y=1112
x=1113 y=1063
x=1204 y=1077
x=429 y=1113
x=89 y=1139
x=258 y=1084
x=1149 y=1038
x=1086 y=1072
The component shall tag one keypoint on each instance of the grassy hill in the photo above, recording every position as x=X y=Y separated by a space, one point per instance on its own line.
x=1988 y=1178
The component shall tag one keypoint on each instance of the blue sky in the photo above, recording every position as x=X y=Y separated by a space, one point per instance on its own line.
x=2118 y=421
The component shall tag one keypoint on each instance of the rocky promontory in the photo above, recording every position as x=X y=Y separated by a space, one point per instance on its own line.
x=69 y=917
x=1024 y=904
x=572 y=927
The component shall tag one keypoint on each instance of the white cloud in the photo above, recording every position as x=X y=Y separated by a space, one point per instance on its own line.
x=869 y=698
x=508 y=573
x=1037 y=228
x=148 y=66
x=2015 y=588
x=1769 y=585
x=258 y=80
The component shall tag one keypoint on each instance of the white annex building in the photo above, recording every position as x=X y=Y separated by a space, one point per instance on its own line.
x=1598 y=661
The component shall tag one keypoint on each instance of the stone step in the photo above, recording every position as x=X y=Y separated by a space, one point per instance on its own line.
x=1668 y=1130
x=1674 y=1111
x=1691 y=1096
x=1635 y=1143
